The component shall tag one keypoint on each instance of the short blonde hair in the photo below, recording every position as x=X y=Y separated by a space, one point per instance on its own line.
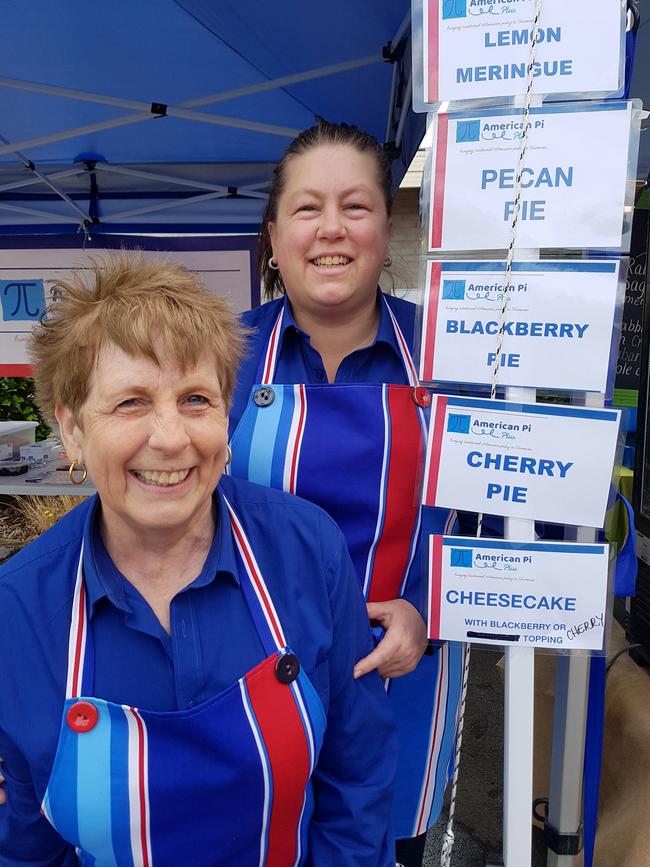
x=131 y=302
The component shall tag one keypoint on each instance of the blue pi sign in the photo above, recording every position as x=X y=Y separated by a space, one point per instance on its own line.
x=454 y=9
x=22 y=300
x=457 y=423
x=461 y=558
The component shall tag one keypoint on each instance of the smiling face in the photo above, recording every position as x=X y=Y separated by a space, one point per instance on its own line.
x=331 y=233
x=153 y=439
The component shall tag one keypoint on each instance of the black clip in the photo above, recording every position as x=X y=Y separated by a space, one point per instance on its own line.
x=391 y=150
x=232 y=191
x=561 y=844
x=392 y=54
x=159 y=109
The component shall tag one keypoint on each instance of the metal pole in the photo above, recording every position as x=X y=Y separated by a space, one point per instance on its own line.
x=569 y=728
x=518 y=714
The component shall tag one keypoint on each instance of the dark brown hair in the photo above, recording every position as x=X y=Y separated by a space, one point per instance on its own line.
x=322 y=133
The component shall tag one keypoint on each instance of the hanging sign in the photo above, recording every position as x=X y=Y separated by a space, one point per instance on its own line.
x=29 y=275
x=538 y=461
x=477 y=49
x=558 y=329
x=540 y=594
x=571 y=196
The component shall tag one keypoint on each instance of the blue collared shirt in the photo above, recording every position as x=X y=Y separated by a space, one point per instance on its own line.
x=298 y=361
x=212 y=642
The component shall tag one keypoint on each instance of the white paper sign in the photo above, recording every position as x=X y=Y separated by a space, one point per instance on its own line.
x=28 y=277
x=538 y=461
x=573 y=183
x=475 y=49
x=558 y=330
x=539 y=594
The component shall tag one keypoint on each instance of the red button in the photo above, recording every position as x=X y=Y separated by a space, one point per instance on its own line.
x=422 y=396
x=82 y=716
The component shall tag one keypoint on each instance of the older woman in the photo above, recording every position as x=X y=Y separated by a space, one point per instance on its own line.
x=328 y=406
x=177 y=652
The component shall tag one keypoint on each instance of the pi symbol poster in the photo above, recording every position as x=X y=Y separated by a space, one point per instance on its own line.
x=478 y=49
x=558 y=328
x=551 y=595
x=567 y=198
x=526 y=460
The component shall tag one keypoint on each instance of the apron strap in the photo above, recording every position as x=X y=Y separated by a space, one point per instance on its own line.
x=269 y=359
x=407 y=359
x=80 y=649
x=255 y=590
x=80 y=675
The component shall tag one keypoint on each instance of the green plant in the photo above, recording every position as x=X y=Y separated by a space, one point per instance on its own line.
x=17 y=402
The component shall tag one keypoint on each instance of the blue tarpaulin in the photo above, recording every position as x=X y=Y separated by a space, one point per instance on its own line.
x=168 y=115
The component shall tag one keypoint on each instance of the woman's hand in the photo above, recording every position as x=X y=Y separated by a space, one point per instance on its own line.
x=402 y=647
x=3 y=794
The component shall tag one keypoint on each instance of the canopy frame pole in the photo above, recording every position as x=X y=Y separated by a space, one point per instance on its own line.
x=164 y=206
x=179 y=203
x=401 y=30
x=284 y=81
x=28 y=164
x=30 y=182
x=406 y=105
x=32 y=212
x=157 y=176
x=215 y=120
x=391 y=104
x=143 y=111
x=564 y=814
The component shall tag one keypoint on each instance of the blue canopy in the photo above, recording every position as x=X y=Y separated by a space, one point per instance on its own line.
x=168 y=115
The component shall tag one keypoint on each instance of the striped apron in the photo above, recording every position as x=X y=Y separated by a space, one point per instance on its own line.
x=225 y=782
x=356 y=450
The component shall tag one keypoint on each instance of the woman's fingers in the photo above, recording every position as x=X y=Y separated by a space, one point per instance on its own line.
x=403 y=645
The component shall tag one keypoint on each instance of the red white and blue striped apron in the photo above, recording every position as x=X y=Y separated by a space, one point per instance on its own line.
x=356 y=450
x=225 y=782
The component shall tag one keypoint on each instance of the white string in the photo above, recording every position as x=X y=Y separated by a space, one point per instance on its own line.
x=449 y=837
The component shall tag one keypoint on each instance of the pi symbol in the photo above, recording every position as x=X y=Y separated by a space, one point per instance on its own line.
x=454 y=9
x=22 y=300
x=461 y=558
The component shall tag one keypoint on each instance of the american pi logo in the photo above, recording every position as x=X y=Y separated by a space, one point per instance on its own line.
x=457 y=423
x=454 y=9
x=461 y=558
x=468 y=130
x=453 y=290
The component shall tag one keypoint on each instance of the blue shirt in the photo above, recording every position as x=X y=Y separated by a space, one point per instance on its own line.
x=212 y=642
x=298 y=361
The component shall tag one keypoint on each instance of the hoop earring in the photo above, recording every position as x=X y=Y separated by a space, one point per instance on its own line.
x=388 y=262
x=273 y=264
x=229 y=453
x=74 y=466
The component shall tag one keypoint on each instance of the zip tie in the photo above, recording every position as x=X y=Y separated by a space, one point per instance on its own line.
x=449 y=838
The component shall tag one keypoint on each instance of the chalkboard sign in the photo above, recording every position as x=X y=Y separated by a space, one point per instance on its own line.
x=628 y=367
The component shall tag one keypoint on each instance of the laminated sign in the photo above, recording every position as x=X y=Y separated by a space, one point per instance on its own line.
x=536 y=461
x=574 y=185
x=477 y=49
x=540 y=594
x=558 y=327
